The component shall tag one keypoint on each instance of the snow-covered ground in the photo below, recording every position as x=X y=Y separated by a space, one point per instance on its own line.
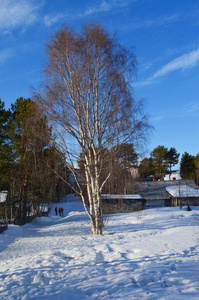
x=152 y=254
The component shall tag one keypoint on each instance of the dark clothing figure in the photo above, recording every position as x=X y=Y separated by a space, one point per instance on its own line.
x=56 y=210
x=189 y=208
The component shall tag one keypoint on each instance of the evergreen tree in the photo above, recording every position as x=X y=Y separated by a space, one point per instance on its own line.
x=172 y=157
x=5 y=153
x=126 y=155
x=197 y=168
x=35 y=163
x=159 y=158
x=146 y=167
x=187 y=166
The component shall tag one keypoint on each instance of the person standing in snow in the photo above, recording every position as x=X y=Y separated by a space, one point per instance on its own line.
x=62 y=211
x=56 y=210
x=59 y=211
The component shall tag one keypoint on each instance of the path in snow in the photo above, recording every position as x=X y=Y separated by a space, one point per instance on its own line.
x=151 y=254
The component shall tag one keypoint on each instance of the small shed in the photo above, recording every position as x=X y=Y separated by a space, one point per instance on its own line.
x=113 y=204
x=183 y=195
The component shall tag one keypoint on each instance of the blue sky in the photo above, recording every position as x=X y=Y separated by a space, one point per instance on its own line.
x=164 y=33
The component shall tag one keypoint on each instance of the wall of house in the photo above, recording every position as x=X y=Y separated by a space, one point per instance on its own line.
x=115 y=206
x=193 y=201
x=155 y=203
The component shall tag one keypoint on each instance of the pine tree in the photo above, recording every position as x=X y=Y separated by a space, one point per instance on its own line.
x=187 y=166
x=172 y=157
x=5 y=153
x=159 y=158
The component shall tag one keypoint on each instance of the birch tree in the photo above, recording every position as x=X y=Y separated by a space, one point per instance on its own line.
x=88 y=99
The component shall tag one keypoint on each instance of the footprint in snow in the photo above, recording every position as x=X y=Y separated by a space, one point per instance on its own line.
x=62 y=255
x=173 y=267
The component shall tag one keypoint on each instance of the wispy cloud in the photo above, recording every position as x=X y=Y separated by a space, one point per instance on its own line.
x=6 y=54
x=165 y=20
x=27 y=12
x=17 y=13
x=183 y=62
x=50 y=20
x=190 y=109
x=102 y=7
x=105 y=6
x=145 y=66
x=157 y=118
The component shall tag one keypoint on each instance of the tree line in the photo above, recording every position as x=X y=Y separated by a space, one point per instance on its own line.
x=162 y=160
x=29 y=160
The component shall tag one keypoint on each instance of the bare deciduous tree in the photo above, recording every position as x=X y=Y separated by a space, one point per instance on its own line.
x=89 y=101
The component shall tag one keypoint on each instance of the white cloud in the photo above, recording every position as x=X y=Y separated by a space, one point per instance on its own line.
x=50 y=20
x=104 y=6
x=17 y=13
x=183 y=62
x=145 y=66
x=107 y=6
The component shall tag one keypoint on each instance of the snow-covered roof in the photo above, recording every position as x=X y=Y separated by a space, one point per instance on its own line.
x=151 y=191
x=179 y=191
x=116 y=196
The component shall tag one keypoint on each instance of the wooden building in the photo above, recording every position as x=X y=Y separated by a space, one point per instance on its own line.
x=113 y=204
x=183 y=195
x=156 y=194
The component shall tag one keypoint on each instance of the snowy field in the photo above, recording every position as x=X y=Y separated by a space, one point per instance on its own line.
x=151 y=254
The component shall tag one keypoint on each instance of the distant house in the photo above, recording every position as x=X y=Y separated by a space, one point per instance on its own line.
x=173 y=176
x=113 y=204
x=156 y=194
x=183 y=195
